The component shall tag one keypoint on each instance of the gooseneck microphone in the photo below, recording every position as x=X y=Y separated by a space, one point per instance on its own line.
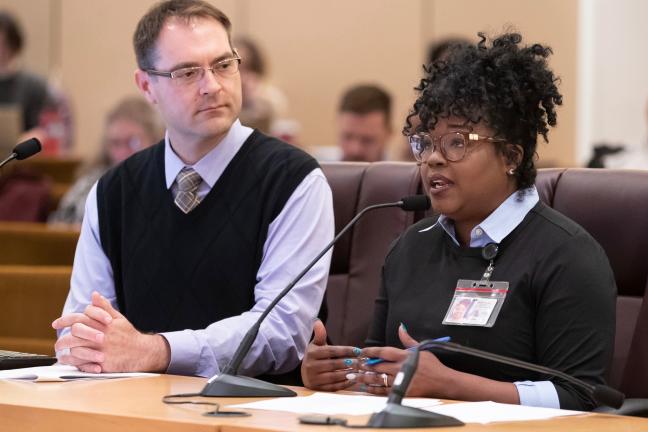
x=23 y=150
x=602 y=394
x=395 y=415
x=228 y=383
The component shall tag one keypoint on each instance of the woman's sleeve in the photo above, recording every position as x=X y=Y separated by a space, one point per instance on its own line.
x=575 y=320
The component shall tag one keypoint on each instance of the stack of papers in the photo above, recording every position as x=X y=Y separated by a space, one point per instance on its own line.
x=59 y=372
x=467 y=412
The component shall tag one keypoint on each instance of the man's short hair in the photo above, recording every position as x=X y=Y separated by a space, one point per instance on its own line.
x=13 y=34
x=364 y=99
x=150 y=25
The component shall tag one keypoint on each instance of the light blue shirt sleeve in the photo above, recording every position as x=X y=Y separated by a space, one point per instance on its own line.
x=538 y=394
x=302 y=229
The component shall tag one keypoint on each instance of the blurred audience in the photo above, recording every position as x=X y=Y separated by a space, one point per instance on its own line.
x=364 y=123
x=17 y=86
x=45 y=112
x=132 y=125
x=263 y=103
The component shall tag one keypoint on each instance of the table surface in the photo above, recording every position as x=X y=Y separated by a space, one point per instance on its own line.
x=135 y=405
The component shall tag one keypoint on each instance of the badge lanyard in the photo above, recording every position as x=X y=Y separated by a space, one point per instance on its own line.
x=478 y=303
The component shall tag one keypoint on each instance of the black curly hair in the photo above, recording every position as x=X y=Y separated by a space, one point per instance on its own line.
x=507 y=85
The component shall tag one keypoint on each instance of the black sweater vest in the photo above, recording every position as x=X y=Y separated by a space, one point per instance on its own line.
x=176 y=271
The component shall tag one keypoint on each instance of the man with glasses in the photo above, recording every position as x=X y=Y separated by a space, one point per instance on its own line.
x=185 y=244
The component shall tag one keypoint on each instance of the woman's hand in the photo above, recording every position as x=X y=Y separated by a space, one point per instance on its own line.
x=432 y=378
x=325 y=367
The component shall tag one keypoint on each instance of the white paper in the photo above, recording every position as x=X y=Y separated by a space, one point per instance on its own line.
x=332 y=403
x=59 y=372
x=488 y=412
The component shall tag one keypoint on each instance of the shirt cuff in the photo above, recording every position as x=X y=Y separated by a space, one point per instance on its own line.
x=185 y=353
x=538 y=394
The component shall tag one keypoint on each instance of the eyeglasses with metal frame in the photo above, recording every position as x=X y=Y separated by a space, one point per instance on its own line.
x=454 y=146
x=190 y=75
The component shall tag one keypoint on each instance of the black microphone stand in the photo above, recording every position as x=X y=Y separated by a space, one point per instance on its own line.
x=228 y=383
x=602 y=394
x=11 y=157
x=395 y=415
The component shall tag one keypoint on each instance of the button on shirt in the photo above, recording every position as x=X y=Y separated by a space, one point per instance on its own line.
x=303 y=228
x=494 y=229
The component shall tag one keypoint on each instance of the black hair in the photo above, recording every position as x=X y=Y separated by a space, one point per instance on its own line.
x=506 y=84
x=13 y=33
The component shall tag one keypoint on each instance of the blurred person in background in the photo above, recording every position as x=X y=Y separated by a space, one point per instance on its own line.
x=263 y=103
x=17 y=86
x=24 y=193
x=364 y=124
x=130 y=126
x=45 y=111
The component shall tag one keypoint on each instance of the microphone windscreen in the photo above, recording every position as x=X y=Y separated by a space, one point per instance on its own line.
x=415 y=203
x=27 y=148
x=605 y=395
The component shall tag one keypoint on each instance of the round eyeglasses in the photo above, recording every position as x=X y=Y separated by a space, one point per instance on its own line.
x=453 y=145
x=191 y=75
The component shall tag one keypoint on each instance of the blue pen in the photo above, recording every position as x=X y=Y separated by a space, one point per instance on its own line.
x=376 y=360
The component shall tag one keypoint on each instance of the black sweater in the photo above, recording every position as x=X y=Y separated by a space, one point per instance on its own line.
x=559 y=311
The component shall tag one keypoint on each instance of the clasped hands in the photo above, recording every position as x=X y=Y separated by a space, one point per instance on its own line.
x=332 y=368
x=101 y=339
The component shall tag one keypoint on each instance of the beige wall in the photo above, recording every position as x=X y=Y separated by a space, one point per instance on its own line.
x=552 y=22
x=333 y=45
x=35 y=17
x=317 y=49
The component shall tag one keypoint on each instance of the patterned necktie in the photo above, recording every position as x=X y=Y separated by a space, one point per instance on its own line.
x=188 y=181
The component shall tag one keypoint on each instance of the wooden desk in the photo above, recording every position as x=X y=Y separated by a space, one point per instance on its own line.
x=135 y=405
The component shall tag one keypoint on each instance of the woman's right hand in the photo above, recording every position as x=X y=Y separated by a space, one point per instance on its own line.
x=325 y=367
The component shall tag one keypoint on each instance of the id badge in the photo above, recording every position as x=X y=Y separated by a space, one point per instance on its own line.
x=476 y=303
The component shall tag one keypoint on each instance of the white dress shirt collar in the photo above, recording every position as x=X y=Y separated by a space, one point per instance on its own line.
x=212 y=165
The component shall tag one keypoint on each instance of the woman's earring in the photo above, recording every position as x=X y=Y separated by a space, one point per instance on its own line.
x=511 y=171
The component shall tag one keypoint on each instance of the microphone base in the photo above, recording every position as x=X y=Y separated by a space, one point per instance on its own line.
x=242 y=386
x=395 y=416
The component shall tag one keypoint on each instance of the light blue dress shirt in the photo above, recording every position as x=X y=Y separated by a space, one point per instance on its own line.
x=494 y=229
x=302 y=229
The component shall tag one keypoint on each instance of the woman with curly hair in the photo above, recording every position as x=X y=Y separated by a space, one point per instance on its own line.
x=540 y=288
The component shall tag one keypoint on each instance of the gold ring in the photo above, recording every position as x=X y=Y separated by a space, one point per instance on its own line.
x=384 y=377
